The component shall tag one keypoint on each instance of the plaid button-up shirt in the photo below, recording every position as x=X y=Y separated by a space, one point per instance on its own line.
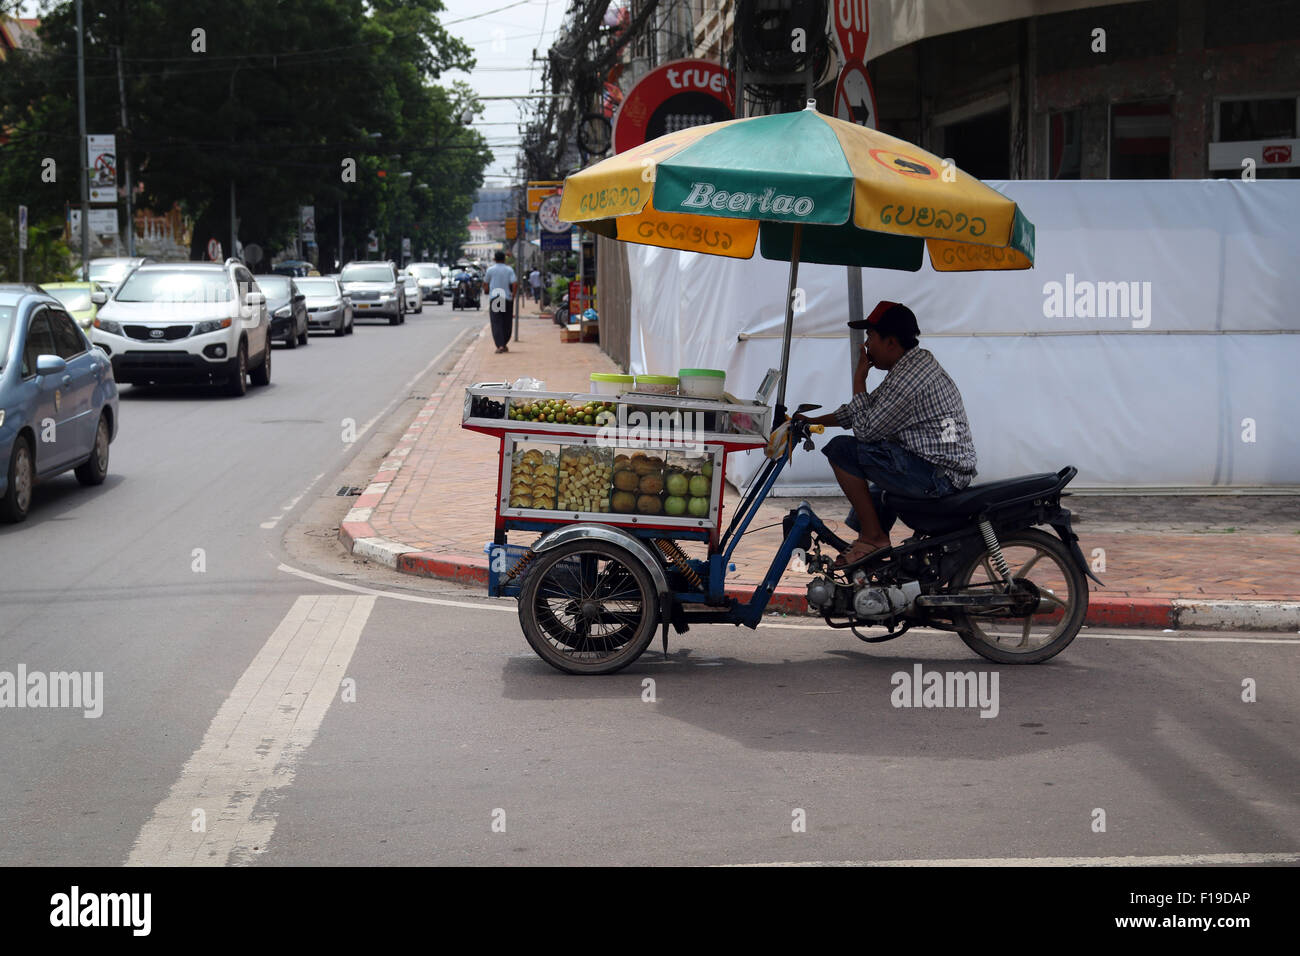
x=919 y=407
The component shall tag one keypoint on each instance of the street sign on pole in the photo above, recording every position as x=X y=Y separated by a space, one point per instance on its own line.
x=307 y=223
x=101 y=222
x=855 y=99
x=101 y=164
x=540 y=189
x=851 y=29
x=214 y=251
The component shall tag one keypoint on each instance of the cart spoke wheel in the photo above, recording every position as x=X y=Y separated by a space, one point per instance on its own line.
x=1054 y=601
x=588 y=607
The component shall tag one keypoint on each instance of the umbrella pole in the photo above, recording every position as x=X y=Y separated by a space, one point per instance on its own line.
x=789 y=315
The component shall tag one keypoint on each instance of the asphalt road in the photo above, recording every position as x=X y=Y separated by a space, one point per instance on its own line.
x=164 y=578
x=289 y=704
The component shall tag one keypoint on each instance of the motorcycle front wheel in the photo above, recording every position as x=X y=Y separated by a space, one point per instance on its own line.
x=1055 y=600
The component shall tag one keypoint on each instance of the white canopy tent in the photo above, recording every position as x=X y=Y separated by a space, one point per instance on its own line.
x=1156 y=343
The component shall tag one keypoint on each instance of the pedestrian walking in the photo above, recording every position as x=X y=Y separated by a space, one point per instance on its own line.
x=499 y=283
x=535 y=282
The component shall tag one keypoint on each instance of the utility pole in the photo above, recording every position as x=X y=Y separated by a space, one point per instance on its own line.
x=126 y=166
x=81 y=140
x=233 y=229
x=340 y=256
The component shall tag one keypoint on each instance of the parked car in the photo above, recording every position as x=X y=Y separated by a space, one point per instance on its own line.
x=327 y=306
x=374 y=289
x=58 y=399
x=288 y=308
x=411 y=287
x=429 y=276
x=187 y=322
x=110 y=271
x=81 y=299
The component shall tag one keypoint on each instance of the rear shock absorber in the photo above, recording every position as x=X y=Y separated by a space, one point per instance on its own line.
x=673 y=553
x=521 y=565
x=995 y=549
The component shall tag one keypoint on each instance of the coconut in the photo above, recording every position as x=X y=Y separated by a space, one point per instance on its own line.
x=626 y=481
x=651 y=484
x=623 y=501
x=649 y=505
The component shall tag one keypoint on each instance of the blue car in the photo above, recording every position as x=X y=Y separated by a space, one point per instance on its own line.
x=58 y=398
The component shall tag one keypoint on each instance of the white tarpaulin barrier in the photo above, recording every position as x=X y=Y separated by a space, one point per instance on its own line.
x=1156 y=343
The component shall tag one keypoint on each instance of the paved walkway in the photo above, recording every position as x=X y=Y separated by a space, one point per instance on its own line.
x=429 y=510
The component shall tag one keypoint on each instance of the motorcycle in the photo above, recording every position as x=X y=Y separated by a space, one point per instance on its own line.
x=467 y=291
x=978 y=564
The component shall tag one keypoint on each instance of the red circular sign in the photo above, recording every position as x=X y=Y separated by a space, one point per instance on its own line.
x=675 y=96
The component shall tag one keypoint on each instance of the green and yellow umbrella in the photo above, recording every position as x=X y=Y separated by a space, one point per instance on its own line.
x=800 y=186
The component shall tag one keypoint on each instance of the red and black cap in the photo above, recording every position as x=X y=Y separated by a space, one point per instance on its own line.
x=890 y=318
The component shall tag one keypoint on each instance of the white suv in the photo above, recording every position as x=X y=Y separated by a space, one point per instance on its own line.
x=187 y=322
x=374 y=289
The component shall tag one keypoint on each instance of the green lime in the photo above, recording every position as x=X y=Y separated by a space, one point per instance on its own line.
x=589 y=419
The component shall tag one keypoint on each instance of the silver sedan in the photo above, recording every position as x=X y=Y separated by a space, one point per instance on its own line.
x=328 y=307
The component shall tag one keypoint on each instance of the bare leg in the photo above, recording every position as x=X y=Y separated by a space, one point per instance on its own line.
x=855 y=489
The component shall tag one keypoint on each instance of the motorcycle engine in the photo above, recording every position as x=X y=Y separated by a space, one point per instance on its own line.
x=872 y=603
x=860 y=601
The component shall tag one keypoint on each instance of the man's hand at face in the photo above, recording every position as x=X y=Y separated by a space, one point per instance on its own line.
x=860 y=373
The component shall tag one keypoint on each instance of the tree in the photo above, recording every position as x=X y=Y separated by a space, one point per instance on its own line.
x=271 y=98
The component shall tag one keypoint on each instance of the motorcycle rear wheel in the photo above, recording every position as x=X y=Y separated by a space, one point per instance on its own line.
x=1046 y=565
x=588 y=607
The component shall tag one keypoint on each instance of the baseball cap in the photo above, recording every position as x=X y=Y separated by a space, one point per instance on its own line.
x=890 y=318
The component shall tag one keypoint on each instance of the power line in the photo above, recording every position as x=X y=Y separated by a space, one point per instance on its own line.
x=485 y=13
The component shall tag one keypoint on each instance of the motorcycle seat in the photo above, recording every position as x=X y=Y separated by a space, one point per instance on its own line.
x=971 y=501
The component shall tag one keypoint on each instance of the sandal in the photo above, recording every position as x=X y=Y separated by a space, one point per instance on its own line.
x=858 y=551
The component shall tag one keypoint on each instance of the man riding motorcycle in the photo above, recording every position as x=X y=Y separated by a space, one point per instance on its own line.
x=910 y=435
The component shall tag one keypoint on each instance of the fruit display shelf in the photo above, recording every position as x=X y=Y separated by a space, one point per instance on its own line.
x=653 y=464
x=645 y=419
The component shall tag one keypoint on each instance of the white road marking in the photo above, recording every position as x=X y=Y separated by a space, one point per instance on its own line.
x=256 y=738
x=396 y=596
x=1197 y=859
x=286 y=508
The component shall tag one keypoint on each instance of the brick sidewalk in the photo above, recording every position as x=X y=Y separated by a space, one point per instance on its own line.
x=430 y=508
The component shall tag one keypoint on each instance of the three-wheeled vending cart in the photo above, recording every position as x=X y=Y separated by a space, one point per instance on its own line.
x=607 y=490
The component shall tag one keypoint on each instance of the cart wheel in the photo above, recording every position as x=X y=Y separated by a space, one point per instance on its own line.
x=588 y=607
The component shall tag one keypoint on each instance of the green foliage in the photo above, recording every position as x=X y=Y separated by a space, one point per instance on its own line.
x=46 y=257
x=279 y=96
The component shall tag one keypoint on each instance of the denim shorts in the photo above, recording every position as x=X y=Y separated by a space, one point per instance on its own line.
x=886 y=466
